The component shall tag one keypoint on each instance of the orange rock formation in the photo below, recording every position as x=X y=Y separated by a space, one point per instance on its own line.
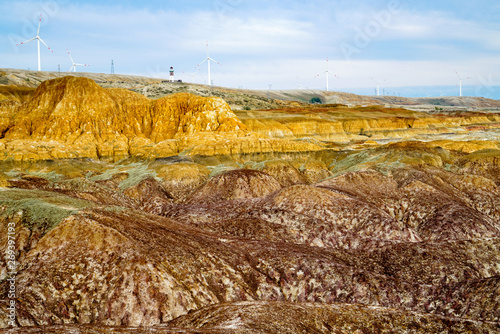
x=90 y=121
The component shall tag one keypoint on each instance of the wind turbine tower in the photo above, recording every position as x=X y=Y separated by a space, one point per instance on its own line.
x=378 y=85
x=460 y=82
x=74 y=65
x=208 y=60
x=39 y=39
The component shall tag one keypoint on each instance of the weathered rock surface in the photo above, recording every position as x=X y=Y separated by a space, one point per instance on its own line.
x=232 y=185
x=180 y=179
x=343 y=124
x=319 y=318
x=132 y=269
x=417 y=248
x=15 y=93
x=73 y=117
x=285 y=317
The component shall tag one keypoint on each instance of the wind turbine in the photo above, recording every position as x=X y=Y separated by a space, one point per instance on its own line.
x=208 y=60
x=73 y=67
x=327 y=74
x=460 y=82
x=37 y=37
x=378 y=85
x=299 y=86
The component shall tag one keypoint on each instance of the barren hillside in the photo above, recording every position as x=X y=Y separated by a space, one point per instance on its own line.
x=249 y=99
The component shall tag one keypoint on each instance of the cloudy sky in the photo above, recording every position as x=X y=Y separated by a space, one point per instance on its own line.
x=412 y=47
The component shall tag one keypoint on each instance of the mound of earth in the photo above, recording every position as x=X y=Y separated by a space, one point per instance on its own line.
x=365 y=248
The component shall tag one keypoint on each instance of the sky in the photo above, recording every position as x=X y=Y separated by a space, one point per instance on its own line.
x=406 y=47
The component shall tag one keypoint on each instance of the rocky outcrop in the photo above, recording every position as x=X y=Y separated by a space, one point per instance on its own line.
x=236 y=184
x=74 y=117
x=343 y=124
x=15 y=93
x=181 y=179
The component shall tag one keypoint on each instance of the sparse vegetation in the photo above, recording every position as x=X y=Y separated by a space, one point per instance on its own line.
x=39 y=210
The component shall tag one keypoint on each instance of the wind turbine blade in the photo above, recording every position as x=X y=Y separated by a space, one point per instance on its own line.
x=69 y=54
x=39 y=22
x=192 y=75
x=71 y=68
x=202 y=62
x=29 y=40
x=41 y=40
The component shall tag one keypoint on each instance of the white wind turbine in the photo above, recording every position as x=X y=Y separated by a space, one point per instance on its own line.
x=460 y=82
x=37 y=37
x=378 y=85
x=208 y=60
x=74 y=65
x=327 y=74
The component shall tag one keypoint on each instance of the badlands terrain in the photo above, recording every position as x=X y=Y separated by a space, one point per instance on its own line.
x=139 y=206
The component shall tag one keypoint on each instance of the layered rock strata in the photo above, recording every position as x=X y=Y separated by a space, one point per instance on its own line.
x=73 y=117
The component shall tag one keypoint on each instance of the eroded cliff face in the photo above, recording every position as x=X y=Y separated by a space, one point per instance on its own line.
x=343 y=124
x=73 y=117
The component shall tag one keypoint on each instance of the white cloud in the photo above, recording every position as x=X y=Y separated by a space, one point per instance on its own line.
x=439 y=26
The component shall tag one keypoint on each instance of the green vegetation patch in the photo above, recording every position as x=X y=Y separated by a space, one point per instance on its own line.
x=385 y=159
x=216 y=170
x=136 y=175
x=41 y=210
x=137 y=172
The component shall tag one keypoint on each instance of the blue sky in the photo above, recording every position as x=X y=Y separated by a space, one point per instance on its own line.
x=415 y=47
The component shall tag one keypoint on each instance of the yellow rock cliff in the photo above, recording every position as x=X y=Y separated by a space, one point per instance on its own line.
x=73 y=117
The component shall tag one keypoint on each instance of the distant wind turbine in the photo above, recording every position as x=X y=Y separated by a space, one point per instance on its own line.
x=460 y=82
x=299 y=86
x=208 y=60
x=37 y=37
x=378 y=85
x=74 y=65
x=327 y=74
